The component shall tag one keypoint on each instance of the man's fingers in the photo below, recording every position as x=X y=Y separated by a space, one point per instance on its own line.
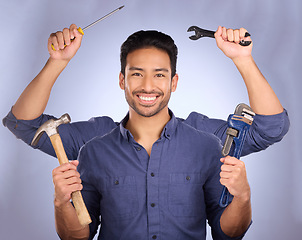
x=236 y=36
x=233 y=35
x=52 y=40
x=230 y=35
x=66 y=166
x=66 y=180
x=65 y=171
x=75 y=162
x=73 y=29
x=61 y=39
x=242 y=32
x=70 y=173
x=231 y=168
x=228 y=160
x=224 y=34
x=66 y=36
x=233 y=176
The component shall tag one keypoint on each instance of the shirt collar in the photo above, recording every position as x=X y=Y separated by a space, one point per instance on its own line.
x=167 y=131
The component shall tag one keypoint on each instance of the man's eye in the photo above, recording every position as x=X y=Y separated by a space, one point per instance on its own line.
x=136 y=74
x=159 y=75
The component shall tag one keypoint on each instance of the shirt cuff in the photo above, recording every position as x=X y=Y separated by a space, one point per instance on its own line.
x=273 y=127
x=25 y=129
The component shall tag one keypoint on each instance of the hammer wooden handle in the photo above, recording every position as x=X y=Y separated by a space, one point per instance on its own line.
x=77 y=199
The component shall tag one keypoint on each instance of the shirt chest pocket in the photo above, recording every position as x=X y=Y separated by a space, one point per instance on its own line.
x=186 y=197
x=120 y=199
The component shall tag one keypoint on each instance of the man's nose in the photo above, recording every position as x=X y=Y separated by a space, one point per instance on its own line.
x=148 y=83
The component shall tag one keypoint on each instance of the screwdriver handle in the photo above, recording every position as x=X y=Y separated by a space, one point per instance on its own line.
x=80 y=30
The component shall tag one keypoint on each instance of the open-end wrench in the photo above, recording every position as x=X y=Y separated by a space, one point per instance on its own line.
x=199 y=33
x=238 y=126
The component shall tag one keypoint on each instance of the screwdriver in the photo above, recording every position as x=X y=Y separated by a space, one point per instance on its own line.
x=97 y=21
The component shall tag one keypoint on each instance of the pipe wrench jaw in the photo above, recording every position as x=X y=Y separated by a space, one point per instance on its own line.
x=238 y=123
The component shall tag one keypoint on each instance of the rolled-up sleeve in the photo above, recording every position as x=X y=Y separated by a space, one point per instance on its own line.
x=265 y=130
x=73 y=135
x=26 y=129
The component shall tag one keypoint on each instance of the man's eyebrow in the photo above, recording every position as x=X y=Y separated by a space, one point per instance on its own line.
x=135 y=69
x=161 y=70
x=155 y=70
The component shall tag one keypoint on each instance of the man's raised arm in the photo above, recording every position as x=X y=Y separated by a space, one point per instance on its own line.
x=33 y=100
x=263 y=99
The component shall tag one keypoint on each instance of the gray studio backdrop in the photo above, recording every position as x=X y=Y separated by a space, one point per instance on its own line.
x=209 y=83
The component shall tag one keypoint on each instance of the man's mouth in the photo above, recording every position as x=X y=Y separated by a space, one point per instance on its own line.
x=147 y=99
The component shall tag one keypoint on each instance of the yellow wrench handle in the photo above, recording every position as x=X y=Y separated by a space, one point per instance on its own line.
x=80 y=30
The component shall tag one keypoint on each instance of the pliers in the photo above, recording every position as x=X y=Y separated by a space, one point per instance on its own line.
x=199 y=33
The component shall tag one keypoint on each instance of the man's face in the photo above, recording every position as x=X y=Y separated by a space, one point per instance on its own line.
x=147 y=81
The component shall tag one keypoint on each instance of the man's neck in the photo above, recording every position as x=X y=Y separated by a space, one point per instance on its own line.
x=146 y=130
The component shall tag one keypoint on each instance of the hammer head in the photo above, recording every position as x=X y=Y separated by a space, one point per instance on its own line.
x=50 y=127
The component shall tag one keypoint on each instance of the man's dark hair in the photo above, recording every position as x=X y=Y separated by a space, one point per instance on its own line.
x=145 y=39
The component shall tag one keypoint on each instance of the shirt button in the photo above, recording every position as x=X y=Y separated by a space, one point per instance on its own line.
x=154 y=237
x=138 y=149
x=152 y=174
x=116 y=182
x=188 y=178
x=152 y=204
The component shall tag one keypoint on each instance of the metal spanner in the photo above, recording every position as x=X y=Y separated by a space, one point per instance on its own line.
x=199 y=33
x=238 y=126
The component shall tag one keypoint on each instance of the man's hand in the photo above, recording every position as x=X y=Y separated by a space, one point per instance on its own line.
x=228 y=41
x=66 y=43
x=237 y=216
x=66 y=180
x=233 y=177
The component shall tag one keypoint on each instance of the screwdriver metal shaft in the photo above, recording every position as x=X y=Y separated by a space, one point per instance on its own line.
x=81 y=30
x=102 y=18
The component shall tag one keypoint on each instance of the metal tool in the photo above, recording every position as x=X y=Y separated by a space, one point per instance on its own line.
x=50 y=127
x=81 y=30
x=101 y=19
x=199 y=33
x=238 y=126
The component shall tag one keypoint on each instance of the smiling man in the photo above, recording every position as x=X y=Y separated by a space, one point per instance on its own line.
x=148 y=84
x=149 y=97
x=153 y=175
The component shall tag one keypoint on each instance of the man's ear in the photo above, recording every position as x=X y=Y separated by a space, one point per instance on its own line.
x=122 y=81
x=174 y=82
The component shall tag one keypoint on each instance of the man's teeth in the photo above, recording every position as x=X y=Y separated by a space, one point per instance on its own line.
x=147 y=98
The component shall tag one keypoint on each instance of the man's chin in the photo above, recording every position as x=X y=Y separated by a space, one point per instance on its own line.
x=148 y=111
x=147 y=114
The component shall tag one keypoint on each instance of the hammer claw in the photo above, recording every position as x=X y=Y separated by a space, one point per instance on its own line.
x=50 y=127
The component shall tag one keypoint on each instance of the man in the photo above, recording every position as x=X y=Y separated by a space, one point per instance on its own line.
x=148 y=78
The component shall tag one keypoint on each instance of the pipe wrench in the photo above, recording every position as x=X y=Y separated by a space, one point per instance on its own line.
x=238 y=126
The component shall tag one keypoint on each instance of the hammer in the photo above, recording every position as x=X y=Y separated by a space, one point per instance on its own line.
x=50 y=127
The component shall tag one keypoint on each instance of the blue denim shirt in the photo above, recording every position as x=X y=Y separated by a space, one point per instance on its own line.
x=264 y=131
x=168 y=195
